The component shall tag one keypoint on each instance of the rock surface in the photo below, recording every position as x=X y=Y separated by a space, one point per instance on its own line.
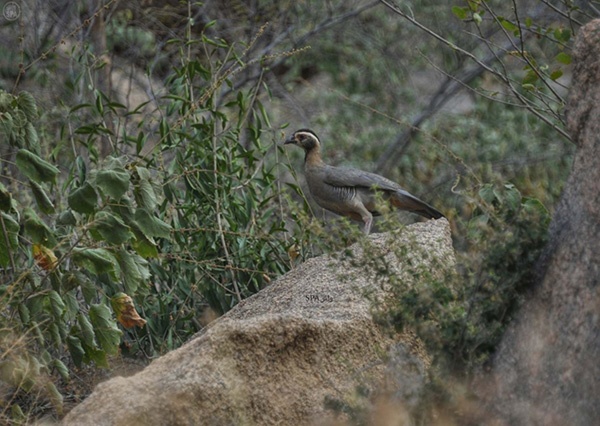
x=285 y=355
x=547 y=369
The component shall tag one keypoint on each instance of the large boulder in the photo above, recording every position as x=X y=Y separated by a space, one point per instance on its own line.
x=547 y=369
x=290 y=354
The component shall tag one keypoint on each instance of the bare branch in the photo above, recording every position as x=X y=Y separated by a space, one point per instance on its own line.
x=461 y=79
x=328 y=23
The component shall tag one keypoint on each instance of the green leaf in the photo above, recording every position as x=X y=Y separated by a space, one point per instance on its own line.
x=66 y=218
x=150 y=225
x=96 y=260
x=145 y=247
x=55 y=278
x=88 y=289
x=563 y=35
x=98 y=356
x=61 y=368
x=26 y=102
x=6 y=100
x=8 y=125
x=56 y=304
x=54 y=333
x=509 y=26
x=78 y=107
x=71 y=280
x=106 y=330
x=535 y=207
x=17 y=415
x=35 y=168
x=87 y=331
x=487 y=193
x=140 y=141
x=564 y=58
x=169 y=191
x=556 y=75
x=37 y=229
x=111 y=228
x=12 y=238
x=99 y=105
x=35 y=304
x=135 y=270
x=72 y=303
x=113 y=182
x=20 y=121
x=41 y=198
x=512 y=197
x=296 y=188
x=5 y=198
x=475 y=224
x=81 y=168
x=143 y=190
x=530 y=78
x=24 y=314
x=55 y=397
x=75 y=349
x=83 y=199
x=31 y=136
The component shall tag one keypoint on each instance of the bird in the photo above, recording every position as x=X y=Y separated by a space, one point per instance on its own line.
x=350 y=192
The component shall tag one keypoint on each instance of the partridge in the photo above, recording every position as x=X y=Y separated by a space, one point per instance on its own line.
x=350 y=192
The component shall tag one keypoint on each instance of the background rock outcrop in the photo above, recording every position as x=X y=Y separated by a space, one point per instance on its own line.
x=288 y=354
x=547 y=369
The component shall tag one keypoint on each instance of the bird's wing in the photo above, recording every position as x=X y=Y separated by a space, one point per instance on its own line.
x=337 y=176
x=358 y=179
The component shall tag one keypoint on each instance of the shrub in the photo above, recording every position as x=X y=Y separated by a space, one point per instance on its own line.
x=191 y=226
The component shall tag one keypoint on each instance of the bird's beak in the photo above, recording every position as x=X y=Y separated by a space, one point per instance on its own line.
x=291 y=140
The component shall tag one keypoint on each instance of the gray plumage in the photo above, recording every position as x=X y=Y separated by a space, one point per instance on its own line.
x=350 y=192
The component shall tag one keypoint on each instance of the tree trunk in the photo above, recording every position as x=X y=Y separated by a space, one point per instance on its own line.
x=547 y=368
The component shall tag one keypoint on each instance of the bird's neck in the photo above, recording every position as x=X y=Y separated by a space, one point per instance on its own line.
x=313 y=158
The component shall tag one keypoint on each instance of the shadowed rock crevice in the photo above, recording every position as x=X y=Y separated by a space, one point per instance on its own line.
x=288 y=354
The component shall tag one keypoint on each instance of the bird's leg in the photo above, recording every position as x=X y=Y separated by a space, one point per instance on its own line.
x=368 y=220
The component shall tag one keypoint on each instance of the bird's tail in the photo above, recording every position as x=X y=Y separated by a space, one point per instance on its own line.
x=405 y=201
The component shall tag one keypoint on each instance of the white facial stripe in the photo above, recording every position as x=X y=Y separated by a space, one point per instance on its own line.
x=310 y=135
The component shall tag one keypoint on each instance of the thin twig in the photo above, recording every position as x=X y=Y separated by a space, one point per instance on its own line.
x=454 y=84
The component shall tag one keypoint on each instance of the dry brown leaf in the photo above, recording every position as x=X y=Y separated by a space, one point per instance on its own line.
x=44 y=257
x=123 y=306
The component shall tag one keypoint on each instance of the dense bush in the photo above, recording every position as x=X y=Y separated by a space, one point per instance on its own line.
x=191 y=226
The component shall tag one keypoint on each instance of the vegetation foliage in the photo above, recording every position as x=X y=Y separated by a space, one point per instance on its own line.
x=125 y=227
x=196 y=224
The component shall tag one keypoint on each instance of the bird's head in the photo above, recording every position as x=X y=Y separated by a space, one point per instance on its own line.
x=305 y=139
